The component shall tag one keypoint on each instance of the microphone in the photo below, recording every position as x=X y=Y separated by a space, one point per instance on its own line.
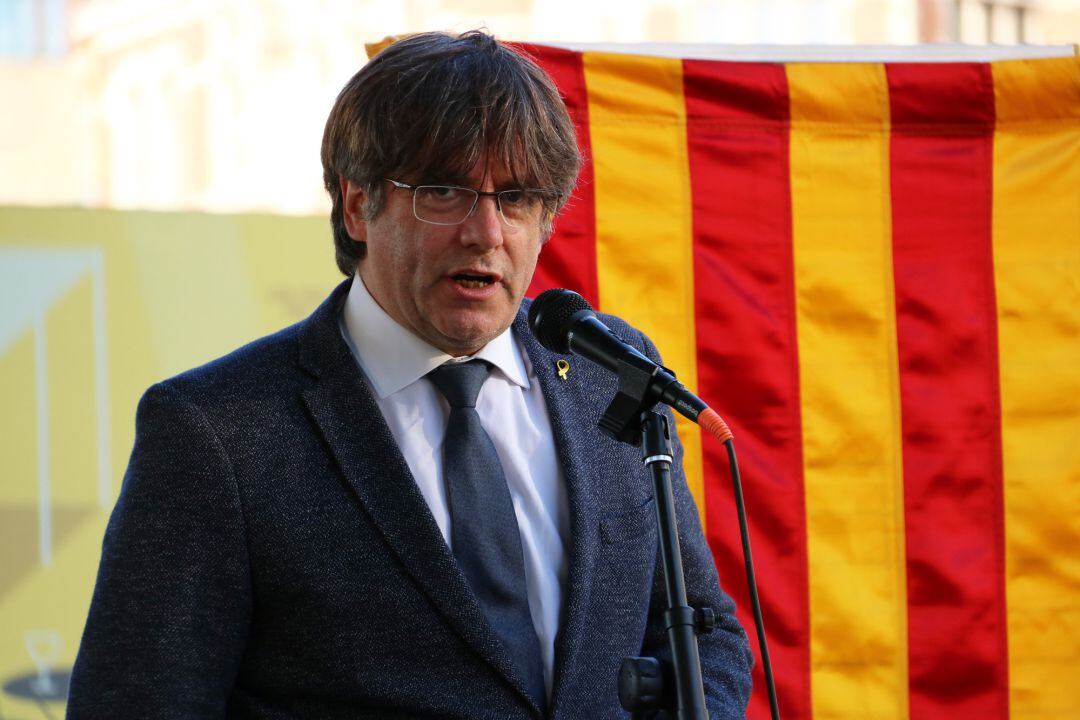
x=564 y=322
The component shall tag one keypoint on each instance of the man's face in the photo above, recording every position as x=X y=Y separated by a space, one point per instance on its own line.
x=426 y=276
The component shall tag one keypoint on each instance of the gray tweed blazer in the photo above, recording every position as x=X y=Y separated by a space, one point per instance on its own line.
x=270 y=556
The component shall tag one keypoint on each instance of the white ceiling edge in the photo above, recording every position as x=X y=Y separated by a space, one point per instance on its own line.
x=831 y=53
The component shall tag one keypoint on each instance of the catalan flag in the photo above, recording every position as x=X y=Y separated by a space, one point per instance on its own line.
x=873 y=272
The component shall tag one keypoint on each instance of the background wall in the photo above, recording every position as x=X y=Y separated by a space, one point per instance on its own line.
x=97 y=306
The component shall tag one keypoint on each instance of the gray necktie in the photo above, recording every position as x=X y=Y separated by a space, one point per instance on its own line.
x=483 y=527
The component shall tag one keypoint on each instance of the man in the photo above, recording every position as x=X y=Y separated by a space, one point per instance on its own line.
x=397 y=508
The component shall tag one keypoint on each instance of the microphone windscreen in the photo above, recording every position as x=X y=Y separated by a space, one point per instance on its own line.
x=550 y=314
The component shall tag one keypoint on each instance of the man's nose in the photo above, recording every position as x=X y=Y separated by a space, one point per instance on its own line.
x=484 y=226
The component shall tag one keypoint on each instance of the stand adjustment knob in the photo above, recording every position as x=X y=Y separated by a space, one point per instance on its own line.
x=641 y=684
x=704 y=620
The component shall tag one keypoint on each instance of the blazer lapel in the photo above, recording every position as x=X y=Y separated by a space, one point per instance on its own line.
x=345 y=411
x=573 y=417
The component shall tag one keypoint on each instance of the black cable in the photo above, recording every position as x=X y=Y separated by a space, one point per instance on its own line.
x=751 y=581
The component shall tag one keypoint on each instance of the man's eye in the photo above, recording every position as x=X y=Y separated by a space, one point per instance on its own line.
x=514 y=197
x=439 y=193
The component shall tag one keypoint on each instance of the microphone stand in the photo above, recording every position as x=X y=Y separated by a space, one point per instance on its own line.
x=641 y=680
x=645 y=684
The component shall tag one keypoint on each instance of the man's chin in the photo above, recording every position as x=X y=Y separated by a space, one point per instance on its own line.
x=465 y=336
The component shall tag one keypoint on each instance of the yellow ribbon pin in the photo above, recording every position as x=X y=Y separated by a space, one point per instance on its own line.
x=563 y=368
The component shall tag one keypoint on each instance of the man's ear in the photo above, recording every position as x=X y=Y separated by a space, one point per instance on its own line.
x=352 y=209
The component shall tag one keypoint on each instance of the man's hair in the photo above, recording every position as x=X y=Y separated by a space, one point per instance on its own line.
x=428 y=107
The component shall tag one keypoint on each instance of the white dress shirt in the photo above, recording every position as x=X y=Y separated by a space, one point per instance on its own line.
x=514 y=414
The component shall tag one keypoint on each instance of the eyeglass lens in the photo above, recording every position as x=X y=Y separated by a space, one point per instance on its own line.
x=449 y=205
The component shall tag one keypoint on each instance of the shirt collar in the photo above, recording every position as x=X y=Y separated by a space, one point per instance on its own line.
x=393 y=357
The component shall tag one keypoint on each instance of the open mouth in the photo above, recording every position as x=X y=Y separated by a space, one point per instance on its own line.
x=469 y=280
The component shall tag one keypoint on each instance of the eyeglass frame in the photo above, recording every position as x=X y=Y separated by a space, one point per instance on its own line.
x=477 y=194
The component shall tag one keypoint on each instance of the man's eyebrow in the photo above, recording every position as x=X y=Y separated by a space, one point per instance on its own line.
x=462 y=181
x=443 y=178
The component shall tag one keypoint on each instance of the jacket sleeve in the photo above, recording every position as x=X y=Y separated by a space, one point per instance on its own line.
x=171 y=606
x=726 y=659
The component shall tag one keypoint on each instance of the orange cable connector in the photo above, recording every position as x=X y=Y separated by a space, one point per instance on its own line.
x=714 y=425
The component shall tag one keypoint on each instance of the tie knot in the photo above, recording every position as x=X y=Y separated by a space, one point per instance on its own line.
x=460 y=383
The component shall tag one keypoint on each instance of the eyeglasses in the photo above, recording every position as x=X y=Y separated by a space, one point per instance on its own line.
x=451 y=205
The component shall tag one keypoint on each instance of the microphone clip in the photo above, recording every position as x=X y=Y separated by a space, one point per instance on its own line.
x=641 y=386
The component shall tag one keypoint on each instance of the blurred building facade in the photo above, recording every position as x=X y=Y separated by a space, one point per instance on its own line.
x=200 y=105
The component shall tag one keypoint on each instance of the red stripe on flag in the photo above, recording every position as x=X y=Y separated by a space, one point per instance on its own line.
x=569 y=258
x=946 y=323
x=737 y=118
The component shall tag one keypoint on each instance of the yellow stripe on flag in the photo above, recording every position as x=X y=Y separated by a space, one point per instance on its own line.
x=644 y=241
x=849 y=387
x=1036 y=226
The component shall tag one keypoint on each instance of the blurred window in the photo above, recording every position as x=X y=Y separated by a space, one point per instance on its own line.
x=32 y=29
x=991 y=21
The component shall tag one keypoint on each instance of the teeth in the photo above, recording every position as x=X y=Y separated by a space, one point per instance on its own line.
x=472 y=281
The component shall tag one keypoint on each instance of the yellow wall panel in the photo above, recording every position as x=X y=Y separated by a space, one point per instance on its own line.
x=72 y=397
x=18 y=481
